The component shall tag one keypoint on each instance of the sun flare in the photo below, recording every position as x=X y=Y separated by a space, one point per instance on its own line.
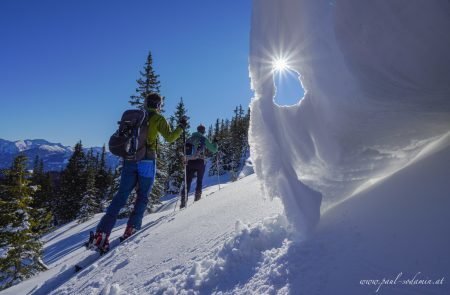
x=280 y=65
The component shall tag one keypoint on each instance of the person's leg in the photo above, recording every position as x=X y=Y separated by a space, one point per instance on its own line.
x=147 y=173
x=190 y=171
x=200 y=172
x=189 y=177
x=128 y=180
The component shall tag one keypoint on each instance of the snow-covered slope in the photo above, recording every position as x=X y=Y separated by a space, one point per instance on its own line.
x=192 y=248
x=236 y=242
x=397 y=226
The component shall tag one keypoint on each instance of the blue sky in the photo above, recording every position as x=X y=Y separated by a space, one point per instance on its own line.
x=69 y=67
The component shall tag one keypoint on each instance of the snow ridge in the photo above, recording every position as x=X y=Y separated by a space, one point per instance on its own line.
x=375 y=95
x=230 y=268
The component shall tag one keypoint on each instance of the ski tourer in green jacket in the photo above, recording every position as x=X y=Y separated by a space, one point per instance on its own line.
x=137 y=174
x=158 y=124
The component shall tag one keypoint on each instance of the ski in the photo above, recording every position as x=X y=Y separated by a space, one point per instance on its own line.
x=90 y=259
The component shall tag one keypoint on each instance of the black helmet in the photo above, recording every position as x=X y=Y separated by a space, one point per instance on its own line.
x=201 y=129
x=153 y=100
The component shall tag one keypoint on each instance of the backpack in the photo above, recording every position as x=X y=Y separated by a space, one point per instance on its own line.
x=130 y=139
x=195 y=148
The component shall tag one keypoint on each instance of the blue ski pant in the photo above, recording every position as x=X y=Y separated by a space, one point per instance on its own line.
x=135 y=174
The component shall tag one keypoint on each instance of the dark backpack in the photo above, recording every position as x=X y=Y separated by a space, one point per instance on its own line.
x=195 y=148
x=130 y=139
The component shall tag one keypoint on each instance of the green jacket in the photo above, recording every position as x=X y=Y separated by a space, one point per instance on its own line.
x=212 y=147
x=158 y=124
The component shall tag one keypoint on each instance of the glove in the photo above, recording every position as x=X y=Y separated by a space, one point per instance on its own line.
x=183 y=122
x=215 y=140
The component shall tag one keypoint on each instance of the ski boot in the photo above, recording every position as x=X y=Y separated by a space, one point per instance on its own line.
x=129 y=231
x=198 y=196
x=90 y=243
x=101 y=242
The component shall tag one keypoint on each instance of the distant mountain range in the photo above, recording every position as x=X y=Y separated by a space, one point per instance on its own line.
x=55 y=155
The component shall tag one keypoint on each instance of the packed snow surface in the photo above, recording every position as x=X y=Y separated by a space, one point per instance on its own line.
x=214 y=242
x=376 y=76
x=234 y=241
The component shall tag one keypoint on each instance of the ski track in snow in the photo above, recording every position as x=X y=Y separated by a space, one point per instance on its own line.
x=182 y=276
x=217 y=257
x=88 y=259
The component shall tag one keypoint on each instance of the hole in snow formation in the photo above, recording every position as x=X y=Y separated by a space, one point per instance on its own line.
x=289 y=90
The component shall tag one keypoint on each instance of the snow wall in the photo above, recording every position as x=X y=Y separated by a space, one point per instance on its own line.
x=376 y=76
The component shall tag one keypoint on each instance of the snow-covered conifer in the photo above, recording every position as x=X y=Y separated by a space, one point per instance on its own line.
x=176 y=157
x=20 y=248
x=73 y=186
x=91 y=201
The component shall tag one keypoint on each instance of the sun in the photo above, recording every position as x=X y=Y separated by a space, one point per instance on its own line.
x=280 y=65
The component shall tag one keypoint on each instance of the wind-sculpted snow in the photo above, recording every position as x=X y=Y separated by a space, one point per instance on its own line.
x=231 y=269
x=376 y=76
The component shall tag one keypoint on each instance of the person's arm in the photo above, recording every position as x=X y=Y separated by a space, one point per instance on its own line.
x=165 y=130
x=212 y=147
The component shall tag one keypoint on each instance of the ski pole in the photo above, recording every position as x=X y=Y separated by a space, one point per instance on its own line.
x=185 y=168
x=218 y=170
x=185 y=177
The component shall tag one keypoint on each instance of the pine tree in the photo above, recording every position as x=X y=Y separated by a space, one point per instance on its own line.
x=171 y=164
x=246 y=126
x=162 y=175
x=217 y=128
x=239 y=139
x=103 y=178
x=20 y=248
x=38 y=167
x=42 y=200
x=226 y=144
x=176 y=157
x=233 y=143
x=236 y=142
x=217 y=166
x=90 y=202
x=114 y=185
x=42 y=197
x=148 y=82
x=210 y=133
x=73 y=185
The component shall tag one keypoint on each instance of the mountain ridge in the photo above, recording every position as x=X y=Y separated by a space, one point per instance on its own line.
x=54 y=155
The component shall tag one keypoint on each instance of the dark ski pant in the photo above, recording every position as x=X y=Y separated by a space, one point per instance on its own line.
x=193 y=167
x=139 y=174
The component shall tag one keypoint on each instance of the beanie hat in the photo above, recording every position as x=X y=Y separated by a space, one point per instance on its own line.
x=201 y=129
x=153 y=100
